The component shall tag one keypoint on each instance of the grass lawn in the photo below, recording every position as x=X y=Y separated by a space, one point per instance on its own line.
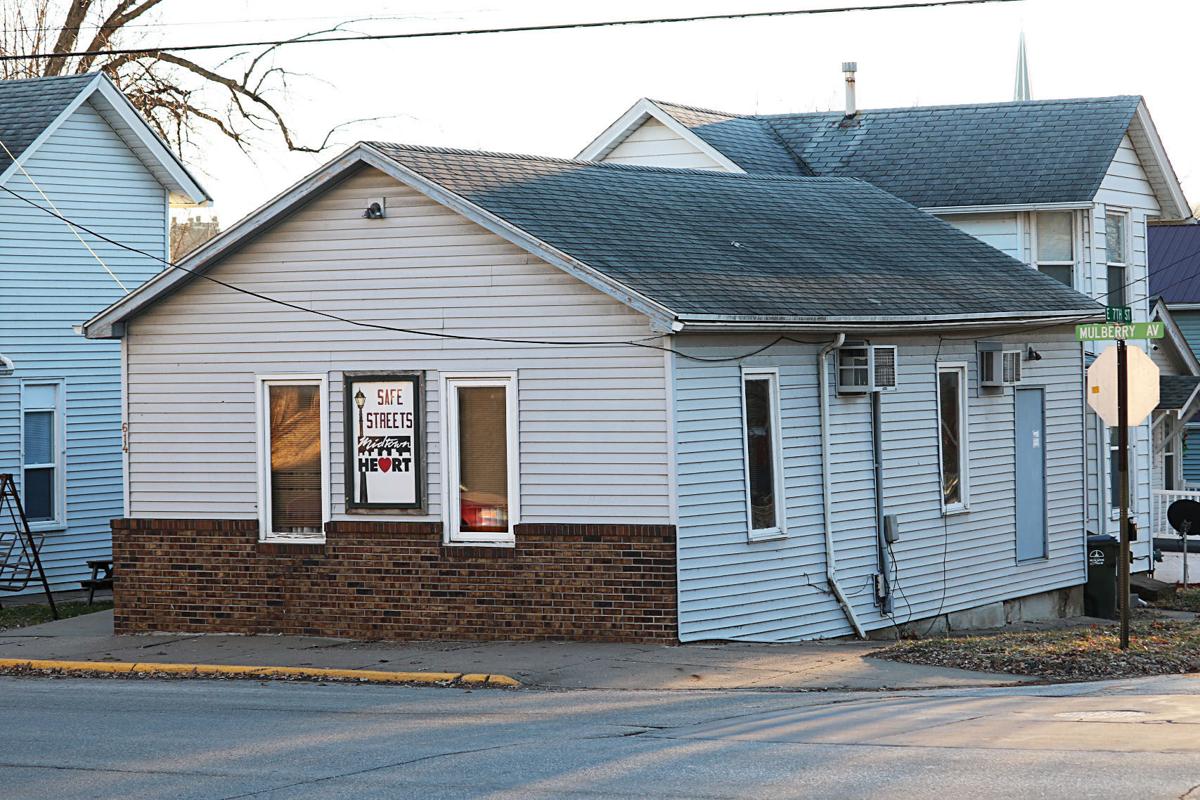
x=35 y=614
x=1157 y=647
x=1183 y=600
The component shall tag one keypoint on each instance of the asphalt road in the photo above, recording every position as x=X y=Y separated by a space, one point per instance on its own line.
x=72 y=738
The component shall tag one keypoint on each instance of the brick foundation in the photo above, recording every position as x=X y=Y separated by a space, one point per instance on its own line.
x=396 y=580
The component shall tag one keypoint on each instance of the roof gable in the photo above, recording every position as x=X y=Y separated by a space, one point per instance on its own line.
x=696 y=245
x=32 y=110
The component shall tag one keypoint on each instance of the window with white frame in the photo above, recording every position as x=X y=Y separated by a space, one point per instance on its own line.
x=292 y=423
x=1170 y=463
x=952 y=434
x=42 y=448
x=1056 y=245
x=1114 y=472
x=1116 y=249
x=480 y=443
x=763 y=453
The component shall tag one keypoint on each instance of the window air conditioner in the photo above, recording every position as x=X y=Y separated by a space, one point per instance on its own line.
x=866 y=368
x=999 y=367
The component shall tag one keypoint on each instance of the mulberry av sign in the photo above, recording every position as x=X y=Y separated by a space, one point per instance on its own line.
x=384 y=453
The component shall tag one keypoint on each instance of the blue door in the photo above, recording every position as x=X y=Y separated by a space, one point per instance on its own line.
x=1031 y=475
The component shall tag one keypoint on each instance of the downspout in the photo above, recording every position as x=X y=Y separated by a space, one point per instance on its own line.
x=826 y=489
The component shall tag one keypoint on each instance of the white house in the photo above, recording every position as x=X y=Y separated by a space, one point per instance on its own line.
x=446 y=394
x=1065 y=186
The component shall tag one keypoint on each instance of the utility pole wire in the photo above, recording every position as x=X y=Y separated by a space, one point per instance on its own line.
x=71 y=227
x=515 y=29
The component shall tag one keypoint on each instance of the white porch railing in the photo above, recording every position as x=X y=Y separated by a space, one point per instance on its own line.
x=1160 y=501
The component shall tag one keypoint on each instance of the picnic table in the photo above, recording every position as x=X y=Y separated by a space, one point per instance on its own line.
x=102 y=577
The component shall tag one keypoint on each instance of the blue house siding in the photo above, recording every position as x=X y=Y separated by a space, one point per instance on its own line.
x=730 y=588
x=49 y=283
x=1189 y=324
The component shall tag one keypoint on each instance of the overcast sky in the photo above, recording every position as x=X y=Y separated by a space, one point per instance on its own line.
x=552 y=92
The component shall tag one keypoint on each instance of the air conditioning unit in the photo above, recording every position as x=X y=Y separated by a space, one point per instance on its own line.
x=864 y=368
x=998 y=367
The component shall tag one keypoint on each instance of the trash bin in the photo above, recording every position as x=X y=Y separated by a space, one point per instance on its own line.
x=1100 y=594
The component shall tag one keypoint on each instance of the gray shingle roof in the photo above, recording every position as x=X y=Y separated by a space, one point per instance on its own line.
x=1175 y=390
x=27 y=107
x=1047 y=151
x=710 y=243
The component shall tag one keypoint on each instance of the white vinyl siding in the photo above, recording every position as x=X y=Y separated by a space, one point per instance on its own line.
x=653 y=144
x=49 y=283
x=730 y=588
x=593 y=420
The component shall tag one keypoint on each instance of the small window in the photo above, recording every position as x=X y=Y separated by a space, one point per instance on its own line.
x=294 y=502
x=481 y=448
x=1116 y=226
x=764 y=466
x=1170 y=464
x=42 y=446
x=1114 y=473
x=952 y=432
x=1056 y=245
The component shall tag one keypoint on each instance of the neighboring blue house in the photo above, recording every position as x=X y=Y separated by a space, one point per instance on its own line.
x=1174 y=254
x=75 y=145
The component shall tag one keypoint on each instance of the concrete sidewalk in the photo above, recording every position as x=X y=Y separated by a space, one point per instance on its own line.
x=547 y=665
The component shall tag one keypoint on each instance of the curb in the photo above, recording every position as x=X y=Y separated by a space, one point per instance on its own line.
x=237 y=671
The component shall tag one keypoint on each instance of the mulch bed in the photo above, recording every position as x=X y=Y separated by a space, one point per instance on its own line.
x=1157 y=647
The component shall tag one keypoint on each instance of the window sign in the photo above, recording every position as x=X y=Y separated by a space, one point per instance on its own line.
x=384 y=451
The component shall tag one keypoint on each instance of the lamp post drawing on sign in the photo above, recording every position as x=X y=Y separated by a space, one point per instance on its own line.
x=360 y=400
x=1122 y=388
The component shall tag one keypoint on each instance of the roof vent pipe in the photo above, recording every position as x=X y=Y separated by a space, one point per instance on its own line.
x=849 y=68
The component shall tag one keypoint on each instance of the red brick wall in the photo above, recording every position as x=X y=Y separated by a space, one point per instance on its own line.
x=396 y=580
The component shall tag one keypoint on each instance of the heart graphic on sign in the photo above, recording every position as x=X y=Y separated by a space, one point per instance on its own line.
x=385 y=464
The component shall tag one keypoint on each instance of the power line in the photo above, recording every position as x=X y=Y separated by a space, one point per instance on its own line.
x=513 y=29
x=494 y=339
x=50 y=202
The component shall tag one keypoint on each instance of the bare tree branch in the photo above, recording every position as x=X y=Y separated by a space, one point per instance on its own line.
x=172 y=92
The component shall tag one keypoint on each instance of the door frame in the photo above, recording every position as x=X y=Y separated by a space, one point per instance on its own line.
x=1045 y=554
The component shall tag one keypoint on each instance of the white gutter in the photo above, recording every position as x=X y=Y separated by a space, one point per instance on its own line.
x=1073 y=205
x=827 y=491
x=879 y=324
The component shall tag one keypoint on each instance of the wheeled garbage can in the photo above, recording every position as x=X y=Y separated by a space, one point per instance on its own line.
x=1100 y=594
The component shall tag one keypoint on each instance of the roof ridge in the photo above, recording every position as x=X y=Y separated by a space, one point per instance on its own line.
x=952 y=106
x=686 y=107
x=708 y=173
x=63 y=78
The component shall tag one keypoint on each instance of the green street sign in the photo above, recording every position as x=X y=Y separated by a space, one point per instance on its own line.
x=1097 y=332
x=1122 y=315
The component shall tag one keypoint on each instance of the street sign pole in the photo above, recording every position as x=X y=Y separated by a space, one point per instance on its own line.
x=1123 y=471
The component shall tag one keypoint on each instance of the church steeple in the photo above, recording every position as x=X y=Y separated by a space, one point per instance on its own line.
x=1021 y=84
